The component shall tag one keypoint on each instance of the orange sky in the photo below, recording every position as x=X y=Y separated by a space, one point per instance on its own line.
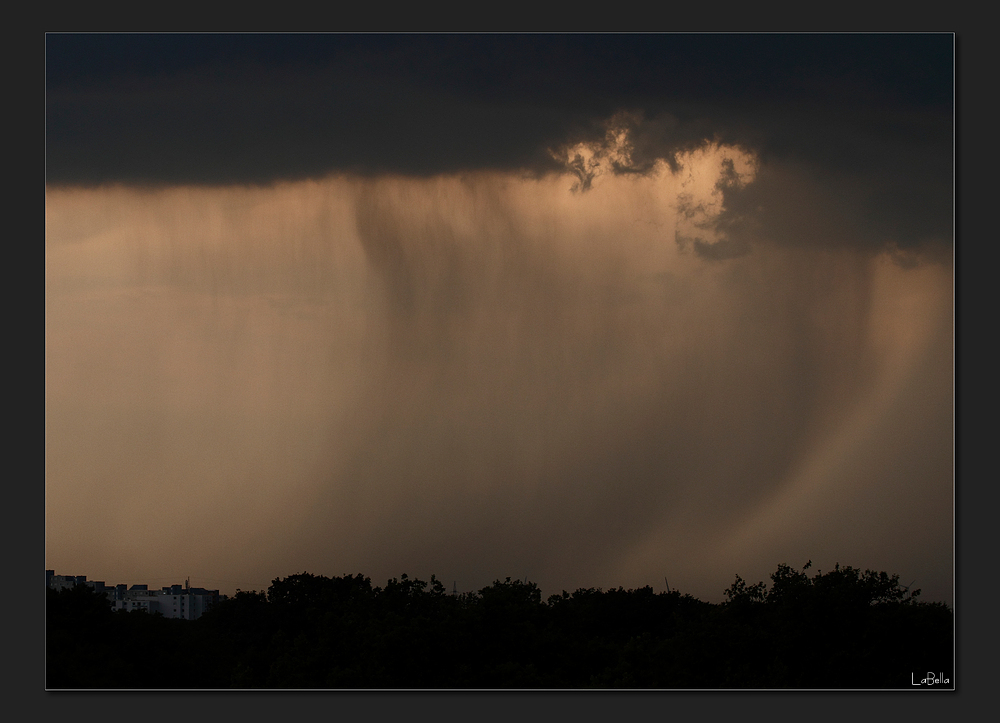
x=486 y=375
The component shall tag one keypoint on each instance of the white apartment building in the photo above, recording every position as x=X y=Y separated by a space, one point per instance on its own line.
x=176 y=601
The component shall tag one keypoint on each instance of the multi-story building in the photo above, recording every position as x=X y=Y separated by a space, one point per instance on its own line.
x=61 y=582
x=175 y=601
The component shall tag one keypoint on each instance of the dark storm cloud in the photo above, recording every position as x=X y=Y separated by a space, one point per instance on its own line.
x=864 y=121
x=221 y=108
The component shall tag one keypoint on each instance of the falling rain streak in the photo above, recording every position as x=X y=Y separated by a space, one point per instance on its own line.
x=579 y=378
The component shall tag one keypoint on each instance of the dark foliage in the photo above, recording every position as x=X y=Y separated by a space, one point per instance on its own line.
x=90 y=646
x=842 y=629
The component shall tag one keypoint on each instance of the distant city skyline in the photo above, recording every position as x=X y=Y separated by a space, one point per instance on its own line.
x=171 y=601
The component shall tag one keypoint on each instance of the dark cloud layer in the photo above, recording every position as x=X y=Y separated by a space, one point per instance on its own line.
x=874 y=110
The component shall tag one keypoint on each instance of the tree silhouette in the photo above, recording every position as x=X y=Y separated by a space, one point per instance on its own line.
x=842 y=629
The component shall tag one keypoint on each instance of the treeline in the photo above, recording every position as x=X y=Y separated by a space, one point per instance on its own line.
x=840 y=629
